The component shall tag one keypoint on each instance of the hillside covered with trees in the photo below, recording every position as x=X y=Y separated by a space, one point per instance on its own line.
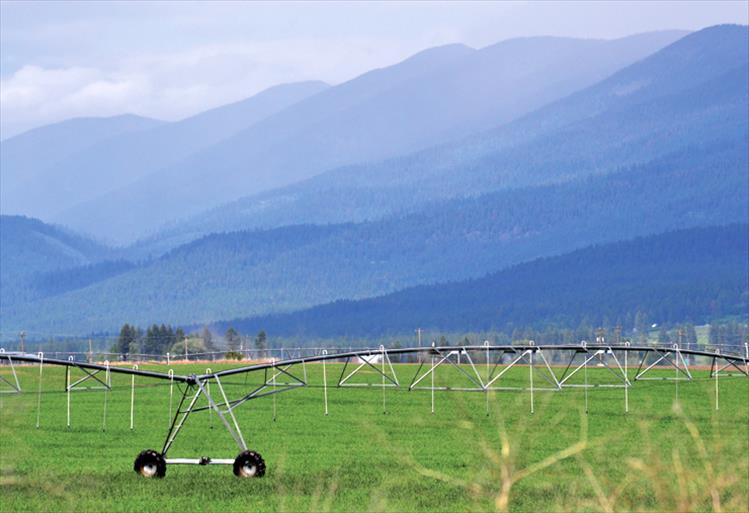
x=694 y=276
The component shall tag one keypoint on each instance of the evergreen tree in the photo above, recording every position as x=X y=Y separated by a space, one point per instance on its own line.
x=126 y=341
x=207 y=337
x=261 y=341
x=151 y=342
x=232 y=339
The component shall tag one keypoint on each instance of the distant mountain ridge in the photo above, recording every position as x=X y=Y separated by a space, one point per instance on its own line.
x=25 y=157
x=596 y=130
x=436 y=96
x=56 y=181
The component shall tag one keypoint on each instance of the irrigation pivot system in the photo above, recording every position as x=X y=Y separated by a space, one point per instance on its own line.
x=482 y=367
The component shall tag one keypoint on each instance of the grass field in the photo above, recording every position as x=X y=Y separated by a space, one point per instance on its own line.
x=665 y=455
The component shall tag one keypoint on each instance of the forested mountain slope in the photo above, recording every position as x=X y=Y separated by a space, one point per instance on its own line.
x=245 y=273
x=695 y=275
x=29 y=248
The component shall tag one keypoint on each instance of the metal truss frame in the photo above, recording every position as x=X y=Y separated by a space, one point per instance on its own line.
x=715 y=369
x=479 y=385
x=444 y=358
x=682 y=371
x=598 y=354
x=392 y=381
x=106 y=384
x=198 y=386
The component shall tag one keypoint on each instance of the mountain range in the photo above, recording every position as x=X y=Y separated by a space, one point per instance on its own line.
x=638 y=114
x=435 y=96
x=633 y=145
x=103 y=156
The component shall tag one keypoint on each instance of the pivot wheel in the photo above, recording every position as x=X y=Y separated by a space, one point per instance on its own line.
x=249 y=464
x=150 y=463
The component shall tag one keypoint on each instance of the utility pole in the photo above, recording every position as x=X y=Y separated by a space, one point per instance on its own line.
x=90 y=352
x=418 y=335
x=23 y=341
x=186 y=358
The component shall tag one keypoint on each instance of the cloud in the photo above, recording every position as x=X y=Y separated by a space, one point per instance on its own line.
x=169 y=60
x=173 y=85
x=34 y=95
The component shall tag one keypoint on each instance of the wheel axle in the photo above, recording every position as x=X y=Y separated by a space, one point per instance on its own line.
x=151 y=464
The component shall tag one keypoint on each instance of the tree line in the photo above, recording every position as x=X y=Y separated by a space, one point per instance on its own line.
x=162 y=339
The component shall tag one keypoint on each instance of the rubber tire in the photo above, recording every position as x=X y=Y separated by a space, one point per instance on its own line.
x=150 y=457
x=249 y=458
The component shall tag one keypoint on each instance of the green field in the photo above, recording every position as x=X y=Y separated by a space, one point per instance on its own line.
x=662 y=456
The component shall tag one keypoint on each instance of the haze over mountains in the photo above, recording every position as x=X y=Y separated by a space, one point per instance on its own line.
x=451 y=165
x=435 y=96
x=43 y=184
x=640 y=113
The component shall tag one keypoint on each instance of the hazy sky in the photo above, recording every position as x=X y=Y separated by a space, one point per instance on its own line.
x=170 y=59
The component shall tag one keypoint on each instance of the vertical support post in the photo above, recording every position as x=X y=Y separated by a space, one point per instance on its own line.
x=39 y=393
x=132 y=399
x=273 y=361
x=325 y=383
x=717 y=404
x=168 y=358
x=486 y=387
x=171 y=391
x=382 y=357
x=585 y=373
x=67 y=388
x=433 y=372
x=626 y=379
x=208 y=389
x=530 y=367
x=676 y=372
x=108 y=381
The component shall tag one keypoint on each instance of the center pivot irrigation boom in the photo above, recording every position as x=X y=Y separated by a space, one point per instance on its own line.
x=497 y=359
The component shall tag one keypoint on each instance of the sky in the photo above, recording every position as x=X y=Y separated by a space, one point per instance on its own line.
x=169 y=60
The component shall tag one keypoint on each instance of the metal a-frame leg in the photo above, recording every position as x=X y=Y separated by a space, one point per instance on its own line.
x=597 y=354
x=393 y=380
x=664 y=356
x=729 y=363
x=15 y=385
x=527 y=355
x=226 y=415
x=445 y=359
